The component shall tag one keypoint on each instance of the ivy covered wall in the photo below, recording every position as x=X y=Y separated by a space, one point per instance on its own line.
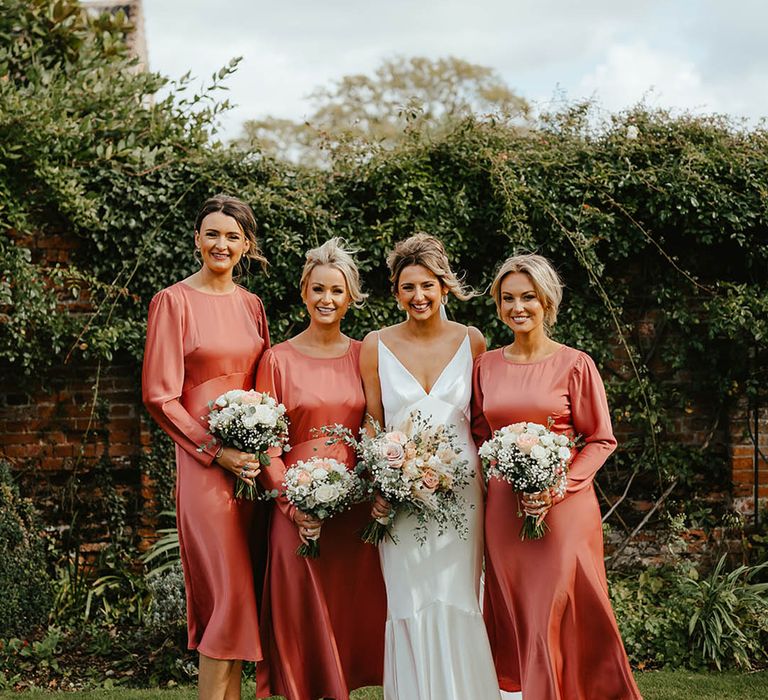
x=658 y=224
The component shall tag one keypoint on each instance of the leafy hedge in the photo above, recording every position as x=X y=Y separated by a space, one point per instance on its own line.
x=657 y=223
x=26 y=592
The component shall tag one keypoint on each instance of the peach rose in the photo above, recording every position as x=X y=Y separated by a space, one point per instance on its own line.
x=397 y=436
x=526 y=443
x=251 y=397
x=430 y=480
x=394 y=454
x=304 y=478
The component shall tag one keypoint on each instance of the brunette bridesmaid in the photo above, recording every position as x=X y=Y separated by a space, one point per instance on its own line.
x=549 y=619
x=205 y=336
x=322 y=619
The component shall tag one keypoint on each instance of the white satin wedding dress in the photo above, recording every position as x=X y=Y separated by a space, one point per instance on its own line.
x=436 y=646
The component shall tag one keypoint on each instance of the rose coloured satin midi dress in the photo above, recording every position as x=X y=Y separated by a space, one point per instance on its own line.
x=322 y=621
x=549 y=619
x=200 y=345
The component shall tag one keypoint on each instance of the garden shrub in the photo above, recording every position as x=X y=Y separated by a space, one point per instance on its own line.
x=25 y=585
x=167 y=612
x=671 y=617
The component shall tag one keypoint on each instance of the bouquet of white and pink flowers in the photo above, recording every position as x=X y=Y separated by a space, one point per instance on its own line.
x=419 y=470
x=531 y=458
x=321 y=487
x=251 y=421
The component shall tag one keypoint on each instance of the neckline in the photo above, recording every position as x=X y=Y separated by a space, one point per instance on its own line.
x=209 y=294
x=439 y=376
x=534 y=362
x=312 y=357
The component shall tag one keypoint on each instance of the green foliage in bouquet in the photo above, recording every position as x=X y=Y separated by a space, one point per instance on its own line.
x=26 y=593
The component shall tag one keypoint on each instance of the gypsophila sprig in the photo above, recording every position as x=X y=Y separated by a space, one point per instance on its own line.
x=321 y=487
x=418 y=469
x=532 y=458
x=251 y=421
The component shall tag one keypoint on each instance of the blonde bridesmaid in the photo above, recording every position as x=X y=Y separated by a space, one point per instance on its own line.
x=323 y=619
x=205 y=336
x=549 y=619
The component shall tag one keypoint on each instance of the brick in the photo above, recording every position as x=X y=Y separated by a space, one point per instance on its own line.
x=122 y=450
x=17 y=438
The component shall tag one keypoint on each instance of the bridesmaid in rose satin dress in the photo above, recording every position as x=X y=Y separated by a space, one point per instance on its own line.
x=549 y=618
x=205 y=336
x=322 y=620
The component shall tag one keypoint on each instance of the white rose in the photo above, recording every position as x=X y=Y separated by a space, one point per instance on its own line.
x=319 y=474
x=486 y=450
x=561 y=440
x=508 y=440
x=221 y=401
x=233 y=395
x=325 y=493
x=264 y=415
x=249 y=421
x=564 y=453
x=547 y=440
x=538 y=452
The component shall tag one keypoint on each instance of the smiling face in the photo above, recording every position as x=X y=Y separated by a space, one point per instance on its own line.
x=221 y=243
x=520 y=307
x=419 y=292
x=326 y=295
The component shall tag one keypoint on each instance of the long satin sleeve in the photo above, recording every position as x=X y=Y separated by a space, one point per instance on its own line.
x=592 y=421
x=163 y=378
x=263 y=327
x=271 y=477
x=481 y=430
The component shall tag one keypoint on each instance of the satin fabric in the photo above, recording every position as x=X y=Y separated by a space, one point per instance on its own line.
x=322 y=620
x=436 y=644
x=549 y=618
x=198 y=346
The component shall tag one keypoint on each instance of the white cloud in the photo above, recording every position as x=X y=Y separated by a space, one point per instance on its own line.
x=630 y=73
x=692 y=54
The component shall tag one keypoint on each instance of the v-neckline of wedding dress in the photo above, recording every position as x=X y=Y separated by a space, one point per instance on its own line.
x=439 y=376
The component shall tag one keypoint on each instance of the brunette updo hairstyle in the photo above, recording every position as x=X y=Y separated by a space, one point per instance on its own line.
x=544 y=278
x=334 y=254
x=240 y=212
x=427 y=251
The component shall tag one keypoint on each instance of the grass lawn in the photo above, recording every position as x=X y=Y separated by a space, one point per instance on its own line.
x=654 y=685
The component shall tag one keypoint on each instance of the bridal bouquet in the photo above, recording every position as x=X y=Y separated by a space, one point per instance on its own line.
x=251 y=421
x=531 y=458
x=321 y=487
x=419 y=470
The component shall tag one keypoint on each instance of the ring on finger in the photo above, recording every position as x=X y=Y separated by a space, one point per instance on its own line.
x=243 y=472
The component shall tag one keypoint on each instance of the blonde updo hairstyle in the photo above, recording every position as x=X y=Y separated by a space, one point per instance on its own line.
x=546 y=283
x=427 y=251
x=334 y=254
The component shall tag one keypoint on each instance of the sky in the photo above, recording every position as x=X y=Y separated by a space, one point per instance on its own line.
x=702 y=56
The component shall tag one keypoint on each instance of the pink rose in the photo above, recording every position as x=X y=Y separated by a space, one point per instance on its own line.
x=251 y=397
x=394 y=454
x=526 y=443
x=517 y=427
x=430 y=480
x=304 y=478
x=397 y=436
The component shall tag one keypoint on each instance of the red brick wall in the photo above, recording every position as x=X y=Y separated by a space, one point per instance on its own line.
x=742 y=455
x=68 y=450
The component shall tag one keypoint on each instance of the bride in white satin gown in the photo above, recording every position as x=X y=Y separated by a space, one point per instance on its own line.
x=436 y=646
